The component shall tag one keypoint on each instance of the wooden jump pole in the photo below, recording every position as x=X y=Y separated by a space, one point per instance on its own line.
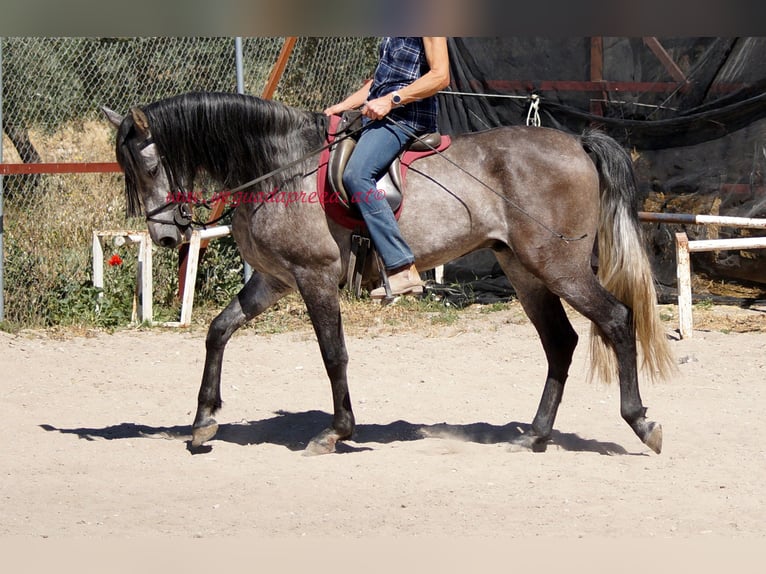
x=197 y=237
x=684 y=247
x=691 y=219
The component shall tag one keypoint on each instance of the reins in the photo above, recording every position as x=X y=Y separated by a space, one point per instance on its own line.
x=335 y=139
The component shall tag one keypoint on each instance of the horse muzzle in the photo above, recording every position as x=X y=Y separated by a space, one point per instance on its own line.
x=167 y=232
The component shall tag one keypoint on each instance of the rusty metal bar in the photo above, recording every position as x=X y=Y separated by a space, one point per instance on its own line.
x=43 y=168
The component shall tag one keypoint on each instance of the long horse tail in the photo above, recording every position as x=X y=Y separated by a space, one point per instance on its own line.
x=623 y=265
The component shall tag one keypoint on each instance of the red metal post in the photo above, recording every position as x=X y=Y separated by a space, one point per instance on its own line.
x=597 y=72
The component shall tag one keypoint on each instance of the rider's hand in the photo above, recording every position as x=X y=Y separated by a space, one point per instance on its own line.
x=378 y=108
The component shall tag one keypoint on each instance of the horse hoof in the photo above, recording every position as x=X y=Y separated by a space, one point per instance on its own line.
x=201 y=435
x=324 y=443
x=528 y=442
x=653 y=438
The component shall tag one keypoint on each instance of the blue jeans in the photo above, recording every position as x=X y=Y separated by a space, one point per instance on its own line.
x=380 y=142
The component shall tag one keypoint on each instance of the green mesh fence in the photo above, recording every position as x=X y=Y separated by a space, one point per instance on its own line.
x=52 y=92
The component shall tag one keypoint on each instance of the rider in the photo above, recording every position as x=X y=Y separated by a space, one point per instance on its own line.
x=409 y=73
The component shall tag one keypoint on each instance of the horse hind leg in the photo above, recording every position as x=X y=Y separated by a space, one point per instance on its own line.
x=260 y=293
x=614 y=322
x=558 y=338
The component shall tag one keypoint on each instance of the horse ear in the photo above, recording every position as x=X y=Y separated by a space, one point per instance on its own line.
x=112 y=116
x=140 y=121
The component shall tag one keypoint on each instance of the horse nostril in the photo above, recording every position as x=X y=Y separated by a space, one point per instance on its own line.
x=167 y=241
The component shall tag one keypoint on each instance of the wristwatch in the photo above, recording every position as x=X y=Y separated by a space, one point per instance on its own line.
x=396 y=99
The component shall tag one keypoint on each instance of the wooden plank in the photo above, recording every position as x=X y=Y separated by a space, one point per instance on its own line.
x=143 y=287
x=727 y=244
x=597 y=72
x=279 y=67
x=97 y=251
x=683 y=276
x=658 y=50
x=145 y=278
x=693 y=219
x=191 y=275
x=683 y=269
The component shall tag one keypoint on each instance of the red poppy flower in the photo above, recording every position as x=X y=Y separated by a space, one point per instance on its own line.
x=115 y=260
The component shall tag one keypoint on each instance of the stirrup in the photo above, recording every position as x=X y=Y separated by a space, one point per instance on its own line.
x=389 y=298
x=360 y=247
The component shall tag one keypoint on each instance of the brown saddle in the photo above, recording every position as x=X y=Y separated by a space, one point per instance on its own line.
x=392 y=182
x=333 y=196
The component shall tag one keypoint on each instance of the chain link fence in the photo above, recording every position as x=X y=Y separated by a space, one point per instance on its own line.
x=52 y=92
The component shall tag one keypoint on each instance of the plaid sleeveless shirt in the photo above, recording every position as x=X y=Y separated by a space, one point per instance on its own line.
x=401 y=62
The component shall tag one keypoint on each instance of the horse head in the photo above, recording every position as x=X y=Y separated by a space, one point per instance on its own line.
x=148 y=182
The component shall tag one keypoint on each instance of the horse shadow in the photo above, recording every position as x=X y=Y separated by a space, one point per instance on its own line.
x=294 y=431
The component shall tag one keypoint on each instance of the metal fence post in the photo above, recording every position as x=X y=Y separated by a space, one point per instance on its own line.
x=2 y=248
x=247 y=270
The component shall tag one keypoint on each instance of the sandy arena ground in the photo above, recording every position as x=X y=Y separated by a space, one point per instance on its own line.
x=96 y=428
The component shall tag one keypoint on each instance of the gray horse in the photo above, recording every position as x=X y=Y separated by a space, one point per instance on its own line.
x=541 y=199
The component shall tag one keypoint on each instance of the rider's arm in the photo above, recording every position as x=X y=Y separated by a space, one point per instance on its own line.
x=437 y=77
x=426 y=85
x=353 y=101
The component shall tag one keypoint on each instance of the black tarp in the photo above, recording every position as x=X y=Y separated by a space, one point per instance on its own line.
x=692 y=111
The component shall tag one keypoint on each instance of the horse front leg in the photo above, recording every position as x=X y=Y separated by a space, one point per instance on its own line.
x=320 y=294
x=260 y=293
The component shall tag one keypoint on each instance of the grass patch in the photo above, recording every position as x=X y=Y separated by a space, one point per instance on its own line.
x=494 y=307
x=704 y=304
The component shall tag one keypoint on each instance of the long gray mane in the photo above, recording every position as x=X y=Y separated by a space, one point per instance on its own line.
x=233 y=138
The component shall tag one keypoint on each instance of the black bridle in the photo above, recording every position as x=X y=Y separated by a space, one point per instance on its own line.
x=182 y=214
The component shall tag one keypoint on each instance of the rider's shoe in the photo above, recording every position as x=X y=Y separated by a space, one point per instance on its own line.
x=405 y=281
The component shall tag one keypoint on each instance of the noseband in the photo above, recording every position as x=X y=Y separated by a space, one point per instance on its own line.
x=182 y=214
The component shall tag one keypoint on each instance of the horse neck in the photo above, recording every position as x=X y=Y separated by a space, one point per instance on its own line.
x=302 y=138
x=243 y=138
x=278 y=133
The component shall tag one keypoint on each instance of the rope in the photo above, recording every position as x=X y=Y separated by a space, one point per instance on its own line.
x=480 y=95
x=514 y=97
x=533 y=115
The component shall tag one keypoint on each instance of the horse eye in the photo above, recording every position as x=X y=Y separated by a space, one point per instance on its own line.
x=150 y=160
